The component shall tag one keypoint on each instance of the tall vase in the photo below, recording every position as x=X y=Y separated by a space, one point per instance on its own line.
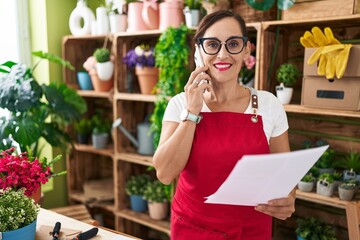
x=28 y=232
x=81 y=13
x=148 y=77
x=102 y=21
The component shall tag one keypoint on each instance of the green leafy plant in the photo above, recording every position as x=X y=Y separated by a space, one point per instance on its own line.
x=102 y=55
x=267 y=4
x=171 y=55
x=100 y=124
x=313 y=228
x=137 y=184
x=84 y=126
x=350 y=161
x=36 y=111
x=327 y=159
x=16 y=209
x=326 y=177
x=287 y=74
x=155 y=192
x=193 y=4
x=337 y=175
x=349 y=184
x=308 y=178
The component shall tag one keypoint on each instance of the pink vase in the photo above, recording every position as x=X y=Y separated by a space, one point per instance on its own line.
x=171 y=14
x=150 y=14
x=135 y=19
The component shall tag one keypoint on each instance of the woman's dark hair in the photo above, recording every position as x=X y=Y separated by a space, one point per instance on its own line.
x=214 y=17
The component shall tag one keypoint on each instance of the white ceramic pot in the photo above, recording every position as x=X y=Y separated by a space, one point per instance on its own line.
x=118 y=23
x=81 y=13
x=105 y=70
x=102 y=21
x=284 y=94
x=192 y=17
x=158 y=211
x=305 y=186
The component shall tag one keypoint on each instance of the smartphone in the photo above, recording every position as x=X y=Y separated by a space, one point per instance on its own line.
x=197 y=57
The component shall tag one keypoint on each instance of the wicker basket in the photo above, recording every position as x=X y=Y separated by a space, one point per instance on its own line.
x=250 y=14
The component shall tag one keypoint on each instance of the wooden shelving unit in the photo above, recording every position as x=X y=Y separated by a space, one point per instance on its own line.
x=121 y=160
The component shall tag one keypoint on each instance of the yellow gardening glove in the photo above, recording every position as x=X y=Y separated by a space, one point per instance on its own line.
x=316 y=38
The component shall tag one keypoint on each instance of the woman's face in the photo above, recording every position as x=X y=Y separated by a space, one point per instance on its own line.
x=223 y=66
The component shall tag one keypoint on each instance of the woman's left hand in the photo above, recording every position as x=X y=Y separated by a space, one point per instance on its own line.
x=281 y=208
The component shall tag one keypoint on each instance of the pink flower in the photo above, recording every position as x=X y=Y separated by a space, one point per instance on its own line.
x=250 y=62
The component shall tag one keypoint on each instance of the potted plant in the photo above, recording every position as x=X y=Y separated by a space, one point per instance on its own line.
x=325 y=185
x=157 y=199
x=347 y=189
x=118 y=16
x=306 y=184
x=192 y=12
x=313 y=228
x=325 y=163
x=30 y=105
x=142 y=58
x=104 y=66
x=135 y=187
x=83 y=130
x=351 y=163
x=286 y=75
x=18 y=215
x=101 y=130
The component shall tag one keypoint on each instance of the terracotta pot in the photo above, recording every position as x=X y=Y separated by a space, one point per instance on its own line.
x=36 y=196
x=148 y=77
x=101 y=86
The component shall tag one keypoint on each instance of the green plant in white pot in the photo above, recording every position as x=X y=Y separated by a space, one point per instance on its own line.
x=158 y=203
x=83 y=130
x=192 y=12
x=286 y=75
x=104 y=66
x=306 y=184
x=347 y=189
x=325 y=185
x=100 y=132
x=135 y=187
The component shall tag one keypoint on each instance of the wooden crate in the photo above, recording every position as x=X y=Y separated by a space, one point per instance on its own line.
x=310 y=9
x=250 y=14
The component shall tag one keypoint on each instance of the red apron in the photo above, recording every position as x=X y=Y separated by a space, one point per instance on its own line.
x=220 y=140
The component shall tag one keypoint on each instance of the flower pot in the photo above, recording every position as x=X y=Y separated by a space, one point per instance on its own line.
x=99 y=141
x=346 y=194
x=325 y=189
x=284 y=94
x=171 y=14
x=101 y=86
x=349 y=175
x=158 y=211
x=137 y=203
x=105 y=70
x=299 y=238
x=118 y=23
x=305 y=186
x=84 y=81
x=192 y=17
x=28 y=232
x=135 y=19
x=36 y=195
x=148 y=77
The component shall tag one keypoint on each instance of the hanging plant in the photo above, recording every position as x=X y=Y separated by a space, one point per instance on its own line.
x=171 y=56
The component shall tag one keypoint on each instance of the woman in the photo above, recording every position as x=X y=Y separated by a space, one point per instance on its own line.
x=207 y=129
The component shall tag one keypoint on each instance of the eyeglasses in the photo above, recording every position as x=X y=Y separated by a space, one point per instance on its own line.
x=233 y=45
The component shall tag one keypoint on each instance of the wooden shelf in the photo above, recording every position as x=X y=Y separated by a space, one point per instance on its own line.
x=144 y=219
x=109 y=151
x=78 y=196
x=135 y=158
x=94 y=94
x=85 y=37
x=317 y=198
x=293 y=108
x=135 y=97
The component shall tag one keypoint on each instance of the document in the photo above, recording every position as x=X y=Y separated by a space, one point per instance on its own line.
x=256 y=179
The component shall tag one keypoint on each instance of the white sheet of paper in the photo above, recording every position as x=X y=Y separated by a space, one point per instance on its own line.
x=120 y=237
x=259 y=178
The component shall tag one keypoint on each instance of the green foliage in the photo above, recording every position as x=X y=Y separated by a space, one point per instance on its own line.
x=84 y=126
x=36 y=111
x=155 y=192
x=327 y=177
x=16 y=210
x=327 y=159
x=193 y=4
x=308 y=178
x=100 y=124
x=349 y=184
x=102 y=55
x=171 y=53
x=350 y=161
x=337 y=175
x=314 y=171
x=267 y=4
x=314 y=229
x=287 y=73
x=137 y=184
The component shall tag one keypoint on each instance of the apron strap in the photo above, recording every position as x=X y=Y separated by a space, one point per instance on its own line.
x=254 y=104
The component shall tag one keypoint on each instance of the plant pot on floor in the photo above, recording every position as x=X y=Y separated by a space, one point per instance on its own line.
x=148 y=77
x=137 y=203
x=284 y=94
x=158 y=210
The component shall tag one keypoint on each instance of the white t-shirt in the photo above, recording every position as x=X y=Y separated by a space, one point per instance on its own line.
x=269 y=107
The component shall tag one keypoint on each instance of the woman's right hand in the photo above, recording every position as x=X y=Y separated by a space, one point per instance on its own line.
x=198 y=83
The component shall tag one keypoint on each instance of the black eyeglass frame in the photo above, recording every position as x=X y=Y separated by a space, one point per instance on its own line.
x=244 y=38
